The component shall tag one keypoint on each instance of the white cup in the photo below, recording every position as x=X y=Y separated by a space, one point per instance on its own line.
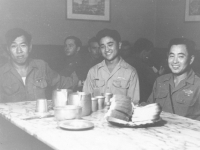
x=41 y=106
x=101 y=100
x=94 y=104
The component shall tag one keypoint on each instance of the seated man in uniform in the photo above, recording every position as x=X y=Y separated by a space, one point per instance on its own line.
x=179 y=91
x=23 y=78
x=113 y=74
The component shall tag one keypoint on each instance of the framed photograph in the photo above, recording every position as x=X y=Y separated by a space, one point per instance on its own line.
x=192 y=10
x=88 y=9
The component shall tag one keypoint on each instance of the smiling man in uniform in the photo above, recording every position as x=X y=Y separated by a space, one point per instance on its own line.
x=113 y=74
x=23 y=78
x=179 y=91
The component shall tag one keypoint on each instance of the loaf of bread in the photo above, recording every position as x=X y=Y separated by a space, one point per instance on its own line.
x=120 y=108
x=148 y=112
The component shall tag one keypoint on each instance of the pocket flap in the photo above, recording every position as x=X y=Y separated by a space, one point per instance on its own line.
x=11 y=88
x=100 y=83
x=121 y=83
x=162 y=94
x=186 y=97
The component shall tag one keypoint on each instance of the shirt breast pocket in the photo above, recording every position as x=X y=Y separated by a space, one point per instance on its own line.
x=161 y=96
x=11 y=88
x=99 y=83
x=123 y=84
x=186 y=98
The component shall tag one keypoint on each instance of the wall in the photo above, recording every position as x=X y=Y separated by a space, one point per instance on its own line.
x=47 y=22
x=170 y=23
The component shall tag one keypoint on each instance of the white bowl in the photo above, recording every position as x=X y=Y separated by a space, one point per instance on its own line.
x=67 y=112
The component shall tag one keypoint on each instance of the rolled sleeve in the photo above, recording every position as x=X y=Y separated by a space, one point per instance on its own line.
x=88 y=86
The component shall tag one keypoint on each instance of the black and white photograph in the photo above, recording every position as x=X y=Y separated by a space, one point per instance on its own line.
x=99 y=75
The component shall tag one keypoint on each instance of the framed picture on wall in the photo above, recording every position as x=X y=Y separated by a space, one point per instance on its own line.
x=88 y=9
x=192 y=10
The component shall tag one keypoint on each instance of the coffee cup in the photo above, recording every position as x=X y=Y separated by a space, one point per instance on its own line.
x=41 y=106
x=94 y=104
x=101 y=100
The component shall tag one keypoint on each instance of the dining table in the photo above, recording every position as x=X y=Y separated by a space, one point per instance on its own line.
x=21 y=128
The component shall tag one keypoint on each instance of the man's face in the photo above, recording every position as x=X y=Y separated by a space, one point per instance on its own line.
x=71 y=47
x=19 y=50
x=94 y=49
x=109 y=48
x=178 y=59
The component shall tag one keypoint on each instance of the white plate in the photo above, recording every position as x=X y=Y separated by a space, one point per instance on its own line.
x=76 y=125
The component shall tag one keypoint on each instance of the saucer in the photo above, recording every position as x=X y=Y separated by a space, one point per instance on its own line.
x=76 y=125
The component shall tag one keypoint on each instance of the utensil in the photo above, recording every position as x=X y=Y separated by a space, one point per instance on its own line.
x=81 y=99
x=76 y=125
x=67 y=112
x=38 y=117
x=41 y=106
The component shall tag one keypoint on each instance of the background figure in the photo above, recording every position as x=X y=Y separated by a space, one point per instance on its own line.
x=94 y=51
x=163 y=67
x=125 y=50
x=91 y=56
x=141 y=58
x=3 y=56
x=72 y=48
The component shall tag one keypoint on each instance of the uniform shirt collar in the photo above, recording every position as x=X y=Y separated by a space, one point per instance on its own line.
x=189 y=79
x=9 y=66
x=121 y=63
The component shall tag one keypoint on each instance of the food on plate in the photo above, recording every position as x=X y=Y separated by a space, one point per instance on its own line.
x=148 y=112
x=120 y=108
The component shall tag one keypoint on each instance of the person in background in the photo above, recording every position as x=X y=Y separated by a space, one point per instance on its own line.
x=3 y=57
x=113 y=74
x=94 y=51
x=23 y=78
x=140 y=59
x=179 y=91
x=92 y=55
x=126 y=50
x=72 y=48
x=163 y=67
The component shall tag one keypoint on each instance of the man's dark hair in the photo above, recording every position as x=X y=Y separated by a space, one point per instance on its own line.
x=93 y=39
x=190 y=45
x=76 y=40
x=126 y=43
x=143 y=44
x=114 y=34
x=12 y=34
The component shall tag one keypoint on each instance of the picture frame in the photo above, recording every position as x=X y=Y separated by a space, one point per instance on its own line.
x=192 y=10
x=88 y=9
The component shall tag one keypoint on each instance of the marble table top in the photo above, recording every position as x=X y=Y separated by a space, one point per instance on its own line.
x=172 y=133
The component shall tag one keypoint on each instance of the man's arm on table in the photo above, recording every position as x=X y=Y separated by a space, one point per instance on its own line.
x=54 y=79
